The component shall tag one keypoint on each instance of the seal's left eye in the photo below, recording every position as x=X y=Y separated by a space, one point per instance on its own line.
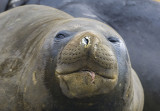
x=113 y=39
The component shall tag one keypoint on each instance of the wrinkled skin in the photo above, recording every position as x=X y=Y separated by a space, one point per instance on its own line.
x=52 y=61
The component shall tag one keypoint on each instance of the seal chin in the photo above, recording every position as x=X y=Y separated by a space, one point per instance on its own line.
x=85 y=83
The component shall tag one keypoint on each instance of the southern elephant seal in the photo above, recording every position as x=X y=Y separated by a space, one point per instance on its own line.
x=53 y=61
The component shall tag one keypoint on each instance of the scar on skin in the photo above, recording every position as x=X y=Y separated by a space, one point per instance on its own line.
x=34 y=78
x=25 y=89
x=92 y=74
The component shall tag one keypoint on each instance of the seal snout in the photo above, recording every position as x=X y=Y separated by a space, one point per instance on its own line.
x=88 y=61
x=86 y=51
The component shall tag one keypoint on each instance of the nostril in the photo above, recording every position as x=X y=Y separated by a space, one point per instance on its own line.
x=86 y=40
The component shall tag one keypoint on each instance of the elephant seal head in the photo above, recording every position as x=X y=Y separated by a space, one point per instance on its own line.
x=50 y=60
x=87 y=54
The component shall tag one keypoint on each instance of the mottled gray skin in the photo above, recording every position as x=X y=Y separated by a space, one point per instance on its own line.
x=30 y=51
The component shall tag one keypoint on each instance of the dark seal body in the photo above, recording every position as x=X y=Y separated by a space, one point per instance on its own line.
x=50 y=61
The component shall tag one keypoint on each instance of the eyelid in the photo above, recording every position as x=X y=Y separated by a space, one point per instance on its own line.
x=113 y=39
x=63 y=33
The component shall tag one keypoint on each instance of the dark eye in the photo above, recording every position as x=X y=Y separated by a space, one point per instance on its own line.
x=113 y=39
x=61 y=35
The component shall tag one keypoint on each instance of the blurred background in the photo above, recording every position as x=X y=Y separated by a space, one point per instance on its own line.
x=137 y=21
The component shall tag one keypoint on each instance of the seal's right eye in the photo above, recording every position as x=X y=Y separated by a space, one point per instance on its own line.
x=62 y=35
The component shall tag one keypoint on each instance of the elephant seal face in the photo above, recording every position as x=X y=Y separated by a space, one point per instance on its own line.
x=87 y=60
x=55 y=62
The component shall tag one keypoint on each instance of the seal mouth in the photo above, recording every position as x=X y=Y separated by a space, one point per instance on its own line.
x=85 y=83
x=91 y=73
